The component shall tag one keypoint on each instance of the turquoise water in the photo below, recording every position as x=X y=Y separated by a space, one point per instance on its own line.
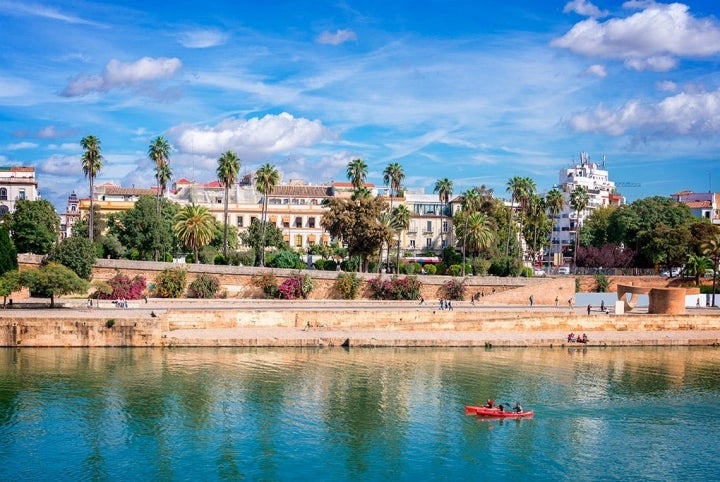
x=358 y=414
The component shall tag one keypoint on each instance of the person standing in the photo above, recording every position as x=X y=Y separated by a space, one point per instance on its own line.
x=589 y=308
x=557 y=301
x=531 y=300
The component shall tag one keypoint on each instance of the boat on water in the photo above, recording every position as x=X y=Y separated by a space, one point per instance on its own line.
x=496 y=412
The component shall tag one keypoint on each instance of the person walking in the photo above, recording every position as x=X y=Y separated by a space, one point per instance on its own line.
x=531 y=300
x=557 y=301
x=589 y=308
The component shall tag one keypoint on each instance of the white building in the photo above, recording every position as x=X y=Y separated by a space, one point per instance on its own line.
x=702 y=204
x=601 y=192
x=16 y=183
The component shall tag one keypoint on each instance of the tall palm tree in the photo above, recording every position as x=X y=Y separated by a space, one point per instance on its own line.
x=401 y=222
x=194 y=227
x=711 y=249
x=227 y=171
x=554 y=202
x=267 y=178
x=159 y=152
x=579 y=200
x=393 y=176
x=91 y=165
x=357 y=173
x=163 y=176
x=444 y=189
x=480 y=232
x=470 y=204
x=514 y=187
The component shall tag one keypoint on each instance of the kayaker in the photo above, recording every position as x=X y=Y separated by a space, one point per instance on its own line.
x=518 y=407
x=501 y=408
x=490 y=403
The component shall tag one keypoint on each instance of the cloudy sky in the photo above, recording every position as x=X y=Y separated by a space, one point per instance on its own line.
x=474 y=91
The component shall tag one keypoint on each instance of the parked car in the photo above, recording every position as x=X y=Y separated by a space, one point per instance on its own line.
x=671 y=273
x=564 y=270
x=538 y=272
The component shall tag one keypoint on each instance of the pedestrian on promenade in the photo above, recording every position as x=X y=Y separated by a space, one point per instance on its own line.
x=442 y=304
x=449 y=305
x=570 y=303
x=589 y=307
x=557 y=300
x=422 y=301
x=531 y=300
x=602 y=305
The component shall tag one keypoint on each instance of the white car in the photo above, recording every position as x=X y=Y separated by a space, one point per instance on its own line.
x=673 y=273
x=538 y=272
x=564 y=270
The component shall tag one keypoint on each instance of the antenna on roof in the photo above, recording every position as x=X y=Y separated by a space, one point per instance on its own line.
x=603 y=163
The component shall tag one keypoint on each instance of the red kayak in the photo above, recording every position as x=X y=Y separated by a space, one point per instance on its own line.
x=495 y=412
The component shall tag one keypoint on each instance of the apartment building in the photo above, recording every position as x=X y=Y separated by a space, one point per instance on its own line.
x=16 y=183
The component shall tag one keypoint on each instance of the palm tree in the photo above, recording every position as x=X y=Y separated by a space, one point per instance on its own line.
x=711 y=249
x=521 y=190
x=514 y=187
x=91 y=165
x=554 y=202
x=444 y=189
x=401 y=221
x=194 y=227
x=579 y=200
x=470 y=204
x=393 y=176
x=227 y=171
x=159 y=152
x=357 y=173
x=480 y=232
x=696 y=266
x=163 y=176
x=267 y=178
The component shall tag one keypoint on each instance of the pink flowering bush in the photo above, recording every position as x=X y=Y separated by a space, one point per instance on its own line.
x=395 y=288
x=295 y=287
x=453 y=289
x=124 y=288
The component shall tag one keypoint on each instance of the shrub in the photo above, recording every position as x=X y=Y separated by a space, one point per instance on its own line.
x=348 y=285
x=220 y=259
x=170 y=283
x=121 y=287
x=319 y=264
x=78 y=254
x=526 y=272
x=351 y=264
x=453 y=289
x=603 y=283
x=480 y=266
x=330 y=265
x=455 y=270
x=395 y=288
x=295 y=287
x=205 y=286
x=430 y=269
x=267 y=282
x=285 y=259
x=110 y=322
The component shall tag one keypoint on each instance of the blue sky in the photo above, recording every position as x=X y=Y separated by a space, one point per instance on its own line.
x=474 y=91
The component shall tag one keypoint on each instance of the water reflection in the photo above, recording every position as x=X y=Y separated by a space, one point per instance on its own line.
x=355 y=414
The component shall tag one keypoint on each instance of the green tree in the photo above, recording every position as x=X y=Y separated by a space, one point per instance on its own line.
x=579 y=200
x=53 y=280
x=696 y=266
x=393 y=176
x=355 y=222
x=267 y=179
x=91 y=165
x=9 y=283
x=227 y=171
x=554 y=203
x=595 y=227
x=35 y=226
x=159 y=153
x=444 y=189
x=8 y=254
x=77 y=253
x=194 y=227
x=711 y=249
x=140 y=230
x=81 y=227
x=357 y=173
x=259 y=235
x=666 y=246
x=536 y=226
x=515 y=187
x=400 y=222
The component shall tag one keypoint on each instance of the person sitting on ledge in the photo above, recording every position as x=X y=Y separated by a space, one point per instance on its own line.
x=571 y=338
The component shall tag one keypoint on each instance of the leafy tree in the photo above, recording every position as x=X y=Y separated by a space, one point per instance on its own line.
x=76 y=253
x=8 y=255
x=81 y=228
x=595 y=227
x=53 y=280
x=112 y=247
x=227 y=171
x=444 y=189
x=9 y=283
x=355 y=222
x=267 y=179
x=286 y=259
x=194 y=227
x=665 y=246
x=258 y=236
x=35 y=226
x=711 y=249
x=140 y=228
x=91 y=165
x=357 y=173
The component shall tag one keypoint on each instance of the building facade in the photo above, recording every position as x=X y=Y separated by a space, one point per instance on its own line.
x=16 y=183
x=702 y=204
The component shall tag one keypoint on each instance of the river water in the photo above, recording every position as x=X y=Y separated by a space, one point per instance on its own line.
x=358 y=414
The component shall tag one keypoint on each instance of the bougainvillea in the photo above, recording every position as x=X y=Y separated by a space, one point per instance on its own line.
x=124 y=288
x=454 y=289
x=295 y=287
x=395 y=288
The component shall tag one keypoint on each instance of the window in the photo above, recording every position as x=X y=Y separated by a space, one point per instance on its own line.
x=298 y=222
x=311 y=223
x=240 y=221
x=428 y=242
x=73 y=208
x=4 y=210
x=3 y=194
x=428 y=226
x=298 y=240
x=445 y=226
x=21 y=194
x=412 y=244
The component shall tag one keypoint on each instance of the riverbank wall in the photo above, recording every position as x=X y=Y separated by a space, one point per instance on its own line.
x=384 y=326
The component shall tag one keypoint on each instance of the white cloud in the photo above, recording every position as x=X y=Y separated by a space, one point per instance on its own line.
x=597 y=70
x=585 y=8
x=37 y=10
x=201 y=39
x=685 y=114
x=21 y=145
x=253 y=138
x=337 y=38
x=667 y=86
x=649 y=39
x=61 y=165
x=119 y=74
